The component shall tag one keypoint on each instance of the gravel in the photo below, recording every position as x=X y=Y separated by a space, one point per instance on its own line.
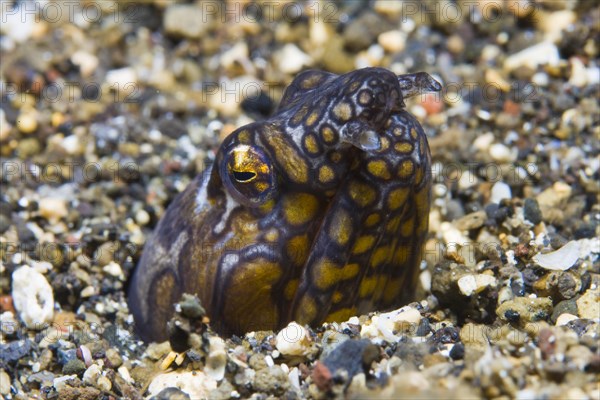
x=109 y=112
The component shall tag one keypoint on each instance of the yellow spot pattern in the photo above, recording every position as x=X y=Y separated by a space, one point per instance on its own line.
x=365 y=97
x=267 y=206
x=244 y=137
x=419 y=174
x=393 y=224
x=293 y=163
x=404 y=147
x=290 y=289
x=379 y=256
x=341 y=315
x=337 y=297
x=372 y=219
x=335 y=157
x=310 y=142
x=402 y=255
x=261 y=186
x=341 y=227
x=379 y=169
x=343 y=111
x=300 y=208
x=328 y=273
x=367 y=286
x=307 y=310
x=310 y=82
x=312 y=118
x=327 y=134
x=252 y=284
x=407 y=227
x=361 y=193
x=354 y=85
x=299 y=116
x=397 y=197
x=164 y=290
x=392 y=289
x=363 y=244
x=326 y=174
x=272 y=235
x=297 y=249
x=385 y=143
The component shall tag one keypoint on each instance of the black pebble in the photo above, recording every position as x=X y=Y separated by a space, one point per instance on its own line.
x=178 y=336
x=531 y=211
x=579 y=325
x=171 y=393
x=424 y=328
x=512 y=316
x=447 y=334
x=458 y=351
x=14 y=351
x=261 y=105
x=353 y=356
x=585 y=231
x=64 y=356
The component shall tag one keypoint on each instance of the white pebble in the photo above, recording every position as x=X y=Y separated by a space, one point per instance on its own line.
x=470 y=284
x=541 y=79
x=294 y=377
x=467 y=180
x=554 y=195
x=114 y=269
x=104 y=384
x=53 y=208
x=33 y=297
x=62 y=381
x=238 y=53
x=124 y=372
x=4 y=383
x=553 y=24
x=290 y=59
x=452 y=236
x=196 y=384
x=392 y=41
x=501 y=153
x=269 y=361
x=27 y=121
x=561 y=259
x=4 y=127
x=18 y=21
x=121 y=77
x=440 y=190
x=565 y=318
x=91 y=374
x=186 y=20
x=86 y=354
x=425 y=279
x=534 y=56
x=142 y=217
x=88 y=291
x=71 y=145
x=217 y=359
x=87 y=62
x=384 y=325
x=500 y=191
x=41 y=266
x=8 y=324
x=293 y=340
x=483 y=142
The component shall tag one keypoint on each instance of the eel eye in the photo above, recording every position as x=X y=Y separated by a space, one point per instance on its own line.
x=248 y=175
x=243 y=176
